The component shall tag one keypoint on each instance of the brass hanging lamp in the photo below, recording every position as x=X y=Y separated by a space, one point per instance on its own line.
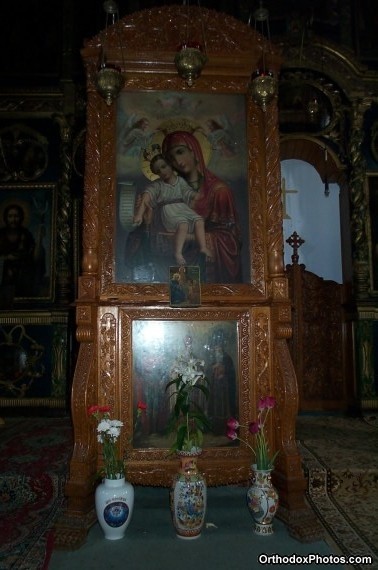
x=264 y=84
x=109 y=78
x=191 y=55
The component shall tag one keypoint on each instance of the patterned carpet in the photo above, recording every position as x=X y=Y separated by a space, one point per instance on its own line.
x=340 y=459
x=33 y=466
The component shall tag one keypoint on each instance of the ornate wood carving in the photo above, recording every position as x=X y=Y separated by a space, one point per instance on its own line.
x=34 y=101
x=65 y=209
x=340 y=64
x=34 y=128
x=225 y=36
x=358 y=199
x=319 y=322
x=106 y=309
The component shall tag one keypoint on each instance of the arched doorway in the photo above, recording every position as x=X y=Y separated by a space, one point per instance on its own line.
x=332 y=173
x=322 y=342
x=312 y=210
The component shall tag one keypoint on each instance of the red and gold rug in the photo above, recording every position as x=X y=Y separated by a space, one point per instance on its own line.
x=34 y=455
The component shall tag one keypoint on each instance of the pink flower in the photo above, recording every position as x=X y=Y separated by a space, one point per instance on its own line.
x=233 y=424
x=270 y=402
x=266 y=403
x=231 y=434
x=253 y=427
x=141 y=405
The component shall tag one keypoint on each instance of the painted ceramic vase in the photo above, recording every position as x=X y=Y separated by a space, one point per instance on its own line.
x=188 y=497
x=114 y=500
x=262 y=501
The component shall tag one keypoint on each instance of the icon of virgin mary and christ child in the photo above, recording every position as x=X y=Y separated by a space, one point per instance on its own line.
x=187 y=212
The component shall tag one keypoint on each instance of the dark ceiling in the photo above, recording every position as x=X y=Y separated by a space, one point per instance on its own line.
x=40 y=39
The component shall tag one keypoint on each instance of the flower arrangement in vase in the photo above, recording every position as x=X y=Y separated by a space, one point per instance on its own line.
x=188 y=421
x=108 y=432
x=114 y=497
x=262 y=497
x=263 y=458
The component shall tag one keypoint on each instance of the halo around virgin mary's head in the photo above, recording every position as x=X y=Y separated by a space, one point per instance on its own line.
x=170 y=126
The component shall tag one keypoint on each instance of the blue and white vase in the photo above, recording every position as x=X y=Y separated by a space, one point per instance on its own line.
x=188 y=497
x=262 y=501
x=114 y=500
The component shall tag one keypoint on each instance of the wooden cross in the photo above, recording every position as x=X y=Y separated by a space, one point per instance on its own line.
x=284 y=192
x=295 y=241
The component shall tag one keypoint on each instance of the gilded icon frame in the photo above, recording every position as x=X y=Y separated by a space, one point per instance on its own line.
x=146 y=364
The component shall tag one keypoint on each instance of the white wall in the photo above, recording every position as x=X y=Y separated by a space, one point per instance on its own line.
x=315 y=218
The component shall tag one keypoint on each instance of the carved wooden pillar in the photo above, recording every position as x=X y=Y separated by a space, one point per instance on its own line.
x=288 y=474
x=65 y=207
x=359 y=209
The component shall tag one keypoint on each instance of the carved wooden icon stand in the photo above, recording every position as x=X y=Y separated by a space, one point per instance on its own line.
x=109 y=308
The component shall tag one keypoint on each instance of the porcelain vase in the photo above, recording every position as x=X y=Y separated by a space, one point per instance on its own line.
x=114 y=500
x=262 y=501
x=188 y=497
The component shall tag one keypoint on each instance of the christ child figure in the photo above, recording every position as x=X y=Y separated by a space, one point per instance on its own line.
x=172 y=196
